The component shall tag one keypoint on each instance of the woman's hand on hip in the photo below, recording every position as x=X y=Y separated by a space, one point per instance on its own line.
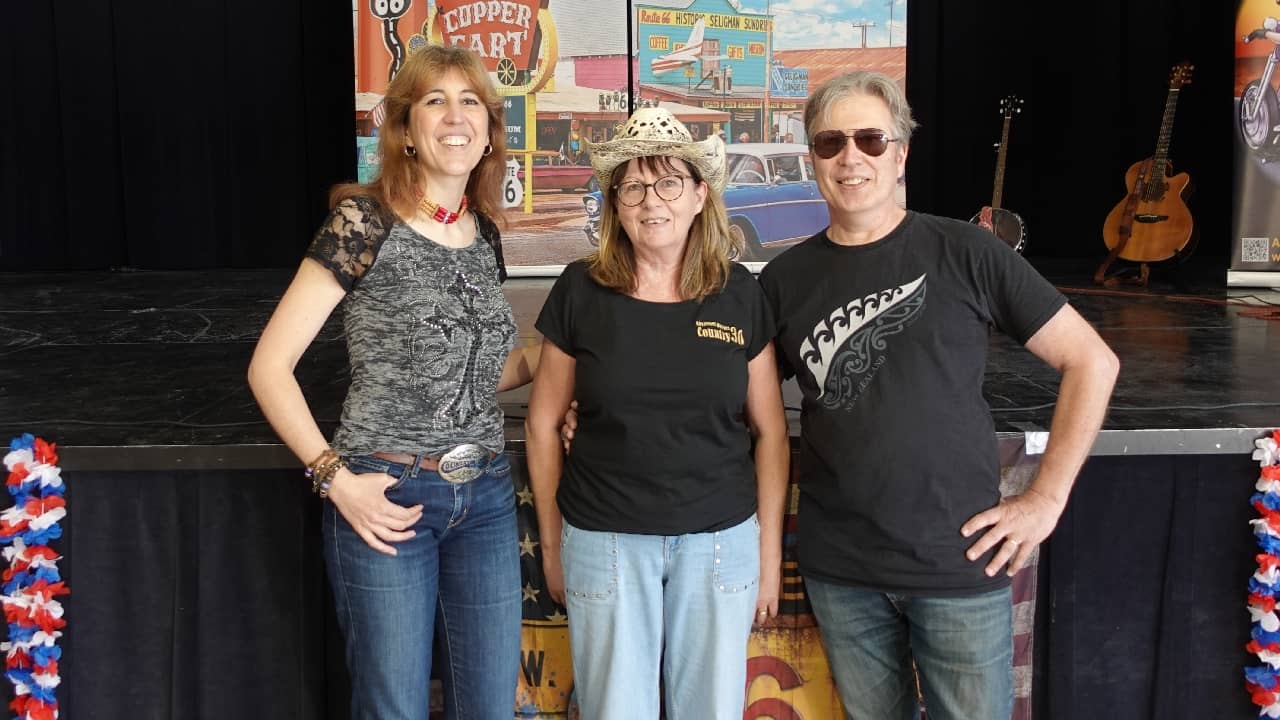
x=363 y=502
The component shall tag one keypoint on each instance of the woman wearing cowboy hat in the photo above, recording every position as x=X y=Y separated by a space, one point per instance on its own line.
x=659 y=533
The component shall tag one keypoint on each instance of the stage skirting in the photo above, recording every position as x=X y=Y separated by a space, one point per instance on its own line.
x=198 y=591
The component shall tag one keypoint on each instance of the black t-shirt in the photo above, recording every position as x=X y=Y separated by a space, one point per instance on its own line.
x=662 y=446
x=888 y=342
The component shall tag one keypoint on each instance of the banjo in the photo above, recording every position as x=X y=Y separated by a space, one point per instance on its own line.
x=1004 y=224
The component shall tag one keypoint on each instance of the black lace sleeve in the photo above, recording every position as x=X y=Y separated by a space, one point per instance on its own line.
x=489 y=231
x=349 y=239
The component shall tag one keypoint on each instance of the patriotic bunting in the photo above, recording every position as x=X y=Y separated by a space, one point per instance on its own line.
x=30 y=580
x=1263 y=681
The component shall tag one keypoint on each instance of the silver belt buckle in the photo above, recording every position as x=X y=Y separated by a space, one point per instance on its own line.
x=463 y=463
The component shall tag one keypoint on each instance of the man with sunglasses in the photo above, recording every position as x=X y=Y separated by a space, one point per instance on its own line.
x=884 y=319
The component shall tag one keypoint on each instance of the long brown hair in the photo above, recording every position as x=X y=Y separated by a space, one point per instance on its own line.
x=399 y=178
x=705 y=266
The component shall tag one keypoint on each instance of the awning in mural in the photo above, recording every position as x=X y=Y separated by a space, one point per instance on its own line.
x=570 y=102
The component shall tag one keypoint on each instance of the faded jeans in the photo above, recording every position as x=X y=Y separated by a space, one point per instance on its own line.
x=962 y=647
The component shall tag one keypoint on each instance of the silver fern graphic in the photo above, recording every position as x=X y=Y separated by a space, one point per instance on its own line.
x=845 y=339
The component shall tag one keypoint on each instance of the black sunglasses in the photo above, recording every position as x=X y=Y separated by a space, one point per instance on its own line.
x=870 y=141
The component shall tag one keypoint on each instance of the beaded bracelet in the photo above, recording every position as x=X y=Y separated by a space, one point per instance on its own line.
x=321 y=471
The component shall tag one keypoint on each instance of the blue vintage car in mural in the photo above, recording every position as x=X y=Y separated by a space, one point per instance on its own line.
x=771 y=197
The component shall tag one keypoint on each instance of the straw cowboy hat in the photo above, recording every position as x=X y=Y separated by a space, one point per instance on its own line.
x=655 y=131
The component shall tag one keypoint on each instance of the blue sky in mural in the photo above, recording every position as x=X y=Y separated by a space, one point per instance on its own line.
x=805 y=24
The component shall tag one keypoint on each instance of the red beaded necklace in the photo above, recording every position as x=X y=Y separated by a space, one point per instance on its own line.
x=438 y=212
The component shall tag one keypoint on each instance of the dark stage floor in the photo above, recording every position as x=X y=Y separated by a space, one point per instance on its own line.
x=110 y=359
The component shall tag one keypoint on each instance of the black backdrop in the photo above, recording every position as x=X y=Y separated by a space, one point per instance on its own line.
x=200 y=594
x=205 y=133
x=193 y=134
x=1094 y=76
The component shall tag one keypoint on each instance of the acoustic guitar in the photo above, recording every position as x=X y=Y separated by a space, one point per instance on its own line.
x=1004 y=224
x=1152 y=223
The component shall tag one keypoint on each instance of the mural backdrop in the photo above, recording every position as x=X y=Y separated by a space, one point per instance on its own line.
x=573 y=70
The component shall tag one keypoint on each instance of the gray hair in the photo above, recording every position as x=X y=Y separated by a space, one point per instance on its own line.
x=861 y=82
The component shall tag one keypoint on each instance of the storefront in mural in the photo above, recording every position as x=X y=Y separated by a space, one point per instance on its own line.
x=548 y=114
x=573 y=70
x=707 y=55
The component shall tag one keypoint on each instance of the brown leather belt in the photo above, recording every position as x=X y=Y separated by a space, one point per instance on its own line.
x=462 y=464
x=429 y=462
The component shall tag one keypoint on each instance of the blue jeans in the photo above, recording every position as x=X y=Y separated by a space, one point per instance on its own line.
x=455 y=583
x=682 y=602
x=962 y=648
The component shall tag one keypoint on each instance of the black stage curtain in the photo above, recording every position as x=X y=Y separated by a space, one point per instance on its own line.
x=1094 y=78
x=1148 y=574
x=202 y=595
x=196 y=595
x=174 y=136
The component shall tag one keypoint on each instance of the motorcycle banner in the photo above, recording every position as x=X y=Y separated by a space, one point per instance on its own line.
x=1255 y=251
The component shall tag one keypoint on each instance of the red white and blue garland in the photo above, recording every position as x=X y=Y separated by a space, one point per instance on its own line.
x=1263 y=681
x=31 y=580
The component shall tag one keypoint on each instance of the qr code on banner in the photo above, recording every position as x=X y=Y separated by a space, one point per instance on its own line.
x=1254 y=249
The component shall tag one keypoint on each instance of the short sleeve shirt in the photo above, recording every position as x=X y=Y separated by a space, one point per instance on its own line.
x=428 y=332
x=662 y=445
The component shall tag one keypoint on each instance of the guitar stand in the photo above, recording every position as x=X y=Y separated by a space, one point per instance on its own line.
x=1100 y=277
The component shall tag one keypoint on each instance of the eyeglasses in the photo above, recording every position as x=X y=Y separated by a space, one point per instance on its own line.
x=870 y=141
x=668 y=187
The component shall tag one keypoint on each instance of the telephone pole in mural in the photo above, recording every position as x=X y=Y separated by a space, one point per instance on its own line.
x=863 y=25
x=890 y=23
x=766 y=114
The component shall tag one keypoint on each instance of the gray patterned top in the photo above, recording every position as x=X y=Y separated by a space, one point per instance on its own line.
x=428 y=331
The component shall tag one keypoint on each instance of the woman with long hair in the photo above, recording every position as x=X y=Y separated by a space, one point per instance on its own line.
x=419 y=524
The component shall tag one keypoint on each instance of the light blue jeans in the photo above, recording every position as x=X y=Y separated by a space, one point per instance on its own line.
x=456 y=583
x=962 y=647
x=682 y=603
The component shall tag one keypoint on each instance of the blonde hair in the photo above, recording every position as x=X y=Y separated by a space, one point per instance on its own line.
x=705 y=267
x=399 y=178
